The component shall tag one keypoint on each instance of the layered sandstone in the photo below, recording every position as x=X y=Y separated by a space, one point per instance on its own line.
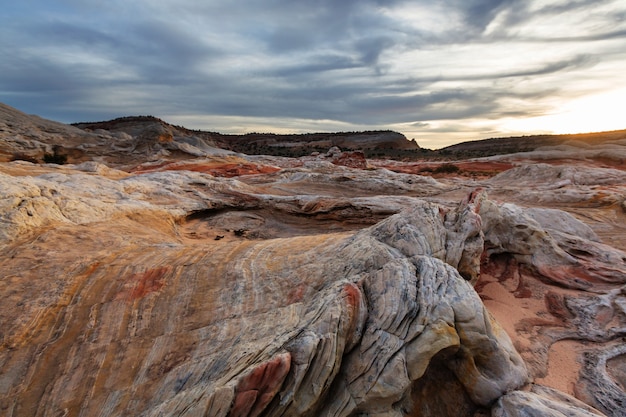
x=171 y=321
x=234 y=285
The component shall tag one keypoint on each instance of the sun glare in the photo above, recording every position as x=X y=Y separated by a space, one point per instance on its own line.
x=596 y=113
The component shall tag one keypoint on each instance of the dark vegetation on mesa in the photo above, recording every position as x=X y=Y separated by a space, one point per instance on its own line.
x=383 y=144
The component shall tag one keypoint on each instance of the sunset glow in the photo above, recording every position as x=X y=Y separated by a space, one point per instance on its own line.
x=593 y=113
x=439 y=72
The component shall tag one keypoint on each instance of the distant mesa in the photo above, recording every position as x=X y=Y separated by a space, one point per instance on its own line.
x=127 y=142
x=302 y=144
x=515 y=144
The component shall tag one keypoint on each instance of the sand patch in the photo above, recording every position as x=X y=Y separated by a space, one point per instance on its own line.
x=563 y=366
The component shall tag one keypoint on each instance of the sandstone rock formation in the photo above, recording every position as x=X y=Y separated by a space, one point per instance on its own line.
x=332 y=324
x=541 y=401
x=234 y=285
x=26 y=137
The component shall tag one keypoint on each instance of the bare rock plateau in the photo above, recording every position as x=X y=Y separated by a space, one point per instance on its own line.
x=156 y=274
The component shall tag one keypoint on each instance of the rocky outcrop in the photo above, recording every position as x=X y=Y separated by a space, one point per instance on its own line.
x=144 y=320
x=150 y=316
x=563 y=250
x=26 y=137
x=549 y=256
x=541 y=401
x=351 y=159
x=231 y=285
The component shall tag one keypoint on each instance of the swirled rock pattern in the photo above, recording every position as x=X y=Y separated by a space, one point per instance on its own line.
x=541 y=401
x=329 y=324
x=229 y=285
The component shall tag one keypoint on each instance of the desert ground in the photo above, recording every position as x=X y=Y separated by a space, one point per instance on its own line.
x=152 y=271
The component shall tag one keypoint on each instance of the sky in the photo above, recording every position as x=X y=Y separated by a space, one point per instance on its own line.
x=439 y=72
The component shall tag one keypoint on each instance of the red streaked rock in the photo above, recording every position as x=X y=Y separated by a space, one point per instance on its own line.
x=257 y=388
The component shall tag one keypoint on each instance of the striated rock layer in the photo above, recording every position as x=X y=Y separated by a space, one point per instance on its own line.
x=112 y=308
x=161 y=276
x=328 y=324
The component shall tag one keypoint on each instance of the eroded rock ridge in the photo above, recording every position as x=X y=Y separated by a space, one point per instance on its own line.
x=230 y=285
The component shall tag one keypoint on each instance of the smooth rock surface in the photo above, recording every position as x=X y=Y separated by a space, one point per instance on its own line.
x=541 y=401
x=140 y=323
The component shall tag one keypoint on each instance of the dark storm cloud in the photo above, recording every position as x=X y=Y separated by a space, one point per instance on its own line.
x=364 y=62
x=479 y=13
x=364 y=53
x=156 y=50
x=64 y=33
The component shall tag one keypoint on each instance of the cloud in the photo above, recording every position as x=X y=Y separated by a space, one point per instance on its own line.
x=369 y=63
x=479 y=13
